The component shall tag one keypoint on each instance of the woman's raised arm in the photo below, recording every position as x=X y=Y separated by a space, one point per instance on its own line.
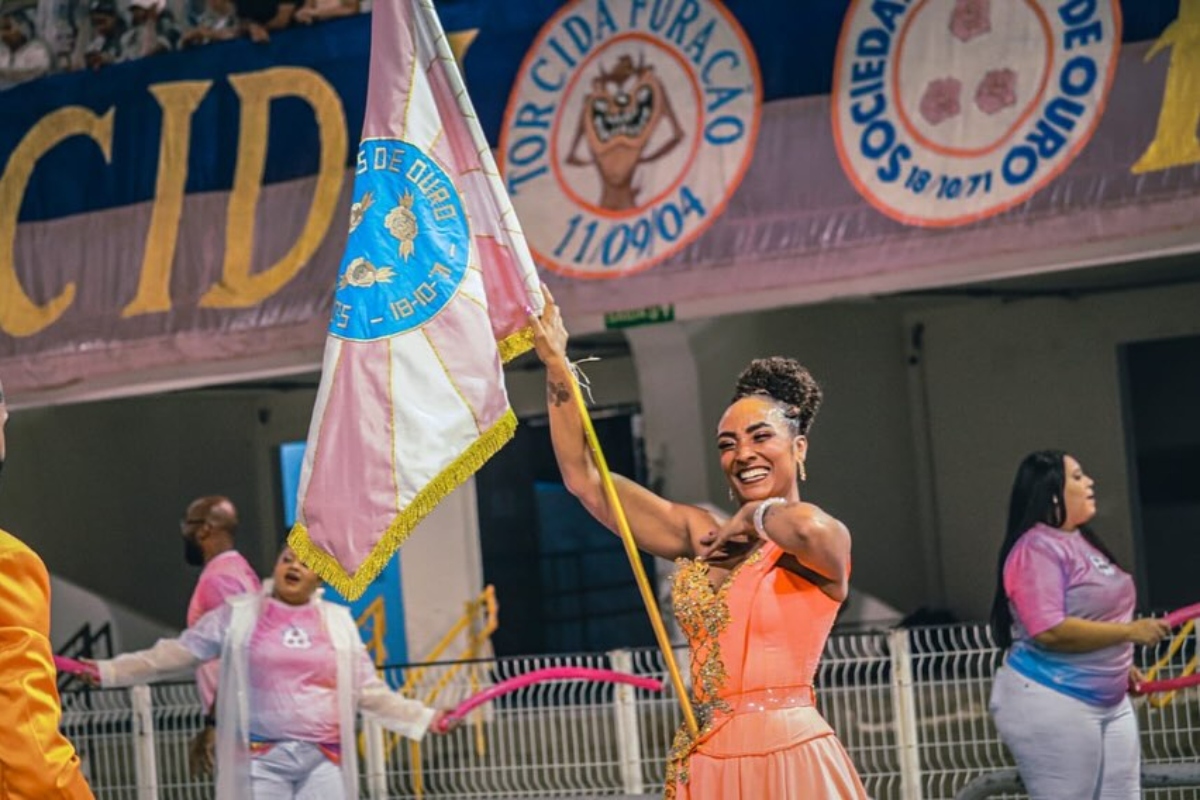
x=660 y=527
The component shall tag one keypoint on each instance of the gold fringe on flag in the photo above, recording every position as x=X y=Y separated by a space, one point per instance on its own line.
x=454 y=475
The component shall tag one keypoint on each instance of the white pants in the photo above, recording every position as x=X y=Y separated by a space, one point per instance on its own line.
x=295 y=771
x=1067 y=749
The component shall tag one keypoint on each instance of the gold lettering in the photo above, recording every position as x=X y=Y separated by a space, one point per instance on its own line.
x=19 y=314
x=460 y=41
x=1175 y=142
x=238 y=288
x=178 y=102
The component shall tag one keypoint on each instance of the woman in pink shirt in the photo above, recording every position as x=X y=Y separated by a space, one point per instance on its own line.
x=294 y=673
x=1064 y=613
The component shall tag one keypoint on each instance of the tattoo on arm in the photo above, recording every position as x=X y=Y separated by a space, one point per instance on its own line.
x=557 y=393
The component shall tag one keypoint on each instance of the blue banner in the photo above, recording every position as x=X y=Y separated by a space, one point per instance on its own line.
x=795 y=53
x=74 y=177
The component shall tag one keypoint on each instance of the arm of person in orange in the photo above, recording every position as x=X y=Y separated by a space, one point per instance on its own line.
x=36 y=760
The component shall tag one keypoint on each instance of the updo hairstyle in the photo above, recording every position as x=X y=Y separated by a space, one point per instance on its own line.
x=788 y=383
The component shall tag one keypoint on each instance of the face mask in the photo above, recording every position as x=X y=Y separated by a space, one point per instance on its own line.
x=192 y=553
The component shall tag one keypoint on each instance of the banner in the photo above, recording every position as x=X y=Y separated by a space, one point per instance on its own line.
x=628 y=130
x=436 y=284
x=182 y=216
x=952 y=111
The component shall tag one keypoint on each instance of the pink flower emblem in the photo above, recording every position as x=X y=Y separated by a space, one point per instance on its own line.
x=971 y=18
x=997 y=91
x=941 y=100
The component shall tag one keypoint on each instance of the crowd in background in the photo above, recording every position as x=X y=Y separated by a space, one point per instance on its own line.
x=40 y=37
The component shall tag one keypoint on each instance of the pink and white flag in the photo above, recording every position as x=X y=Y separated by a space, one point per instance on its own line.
x=433 y=294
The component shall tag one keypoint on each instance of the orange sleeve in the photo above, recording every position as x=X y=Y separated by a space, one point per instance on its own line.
x=36 y=760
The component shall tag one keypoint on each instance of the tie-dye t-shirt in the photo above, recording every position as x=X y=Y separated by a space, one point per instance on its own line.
x=293 y=676
x=224 y=576
x=1051 y=575
x=293 y=670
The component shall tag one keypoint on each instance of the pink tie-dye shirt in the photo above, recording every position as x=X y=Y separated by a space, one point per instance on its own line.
x=293 y=676
x=293 y=670
x=226 y=575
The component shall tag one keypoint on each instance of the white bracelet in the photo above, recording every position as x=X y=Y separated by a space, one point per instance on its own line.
x=760 y=514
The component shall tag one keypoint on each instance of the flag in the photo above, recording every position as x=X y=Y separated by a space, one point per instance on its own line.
x=433 y=294
x=379 y=611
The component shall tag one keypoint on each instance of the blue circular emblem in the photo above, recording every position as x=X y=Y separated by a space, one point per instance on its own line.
x=408 y=246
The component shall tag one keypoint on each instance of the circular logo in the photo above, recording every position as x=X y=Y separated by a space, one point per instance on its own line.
x=630 y=125
x=408 y=247
x=946 y=112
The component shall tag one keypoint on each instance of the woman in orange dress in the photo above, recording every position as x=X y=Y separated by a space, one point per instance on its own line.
x=756 y=595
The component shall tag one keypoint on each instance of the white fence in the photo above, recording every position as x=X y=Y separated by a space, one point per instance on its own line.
x=910 y=706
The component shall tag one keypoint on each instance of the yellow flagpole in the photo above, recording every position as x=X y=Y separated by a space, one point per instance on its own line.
x=635 y=560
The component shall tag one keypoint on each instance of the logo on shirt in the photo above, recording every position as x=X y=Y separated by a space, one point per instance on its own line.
x=296 y=638
x=1102 y=565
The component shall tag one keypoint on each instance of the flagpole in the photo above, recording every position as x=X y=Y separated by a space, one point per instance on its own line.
x=635 y=560
x=442 y=45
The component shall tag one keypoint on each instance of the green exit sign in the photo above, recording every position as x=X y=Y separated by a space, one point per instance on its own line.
x=639 y=316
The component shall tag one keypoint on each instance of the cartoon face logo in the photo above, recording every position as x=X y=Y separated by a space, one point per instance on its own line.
x=619 y=116
x=628 y=144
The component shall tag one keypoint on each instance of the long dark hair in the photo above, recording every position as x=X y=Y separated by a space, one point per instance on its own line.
x=1037 y=496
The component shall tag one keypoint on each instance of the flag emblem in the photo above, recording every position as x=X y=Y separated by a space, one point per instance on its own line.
x=423 y=231
x=434 y=293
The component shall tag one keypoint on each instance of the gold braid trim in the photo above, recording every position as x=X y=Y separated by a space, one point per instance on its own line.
x=515 y=344
x=703 y=614
x=455 y=474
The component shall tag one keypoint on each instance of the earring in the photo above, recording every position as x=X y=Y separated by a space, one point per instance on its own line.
x=803 y=474
x=732 y=497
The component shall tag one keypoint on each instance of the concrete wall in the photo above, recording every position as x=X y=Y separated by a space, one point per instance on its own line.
x=861 y=455
x=914 y=449
x=1006 y=378
x=98 y=490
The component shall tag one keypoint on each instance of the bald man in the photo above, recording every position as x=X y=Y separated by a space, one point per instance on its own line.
x=208 y=527
x=36 y=761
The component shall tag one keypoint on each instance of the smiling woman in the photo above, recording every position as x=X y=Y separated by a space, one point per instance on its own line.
x=756 y=595
x=304 y=669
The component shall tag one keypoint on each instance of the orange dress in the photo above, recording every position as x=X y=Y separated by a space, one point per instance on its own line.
x=755 y=644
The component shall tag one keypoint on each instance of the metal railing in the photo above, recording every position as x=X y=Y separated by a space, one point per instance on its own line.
x=85 y=643
x=1153 y=776
x=910 y=706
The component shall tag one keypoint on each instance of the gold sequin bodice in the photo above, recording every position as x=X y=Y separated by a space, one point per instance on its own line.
x=703 y=614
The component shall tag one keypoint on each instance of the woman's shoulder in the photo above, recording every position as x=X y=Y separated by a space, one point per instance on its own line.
x=1042 y=540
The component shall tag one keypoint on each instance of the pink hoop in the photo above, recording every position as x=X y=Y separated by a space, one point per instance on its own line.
x=539 y=676
x=1166 y=685
x=72 y=666
x=1182 y=615
x=1174 y=619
